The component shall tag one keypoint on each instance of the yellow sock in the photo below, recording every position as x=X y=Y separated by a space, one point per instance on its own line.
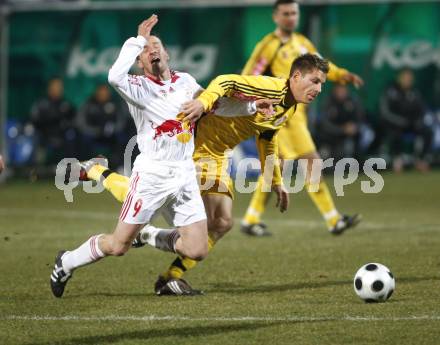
x=181 y=264
x=257 y=205
x=115 y=183
x=95 y=172
x=324 y=202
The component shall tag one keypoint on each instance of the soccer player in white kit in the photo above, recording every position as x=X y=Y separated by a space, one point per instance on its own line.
x=164 y=177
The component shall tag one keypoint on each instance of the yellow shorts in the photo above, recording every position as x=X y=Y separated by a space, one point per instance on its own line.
x=294 y=138
x=213 y=176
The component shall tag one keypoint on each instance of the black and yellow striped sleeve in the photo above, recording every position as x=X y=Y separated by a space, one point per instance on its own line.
x=242 y=87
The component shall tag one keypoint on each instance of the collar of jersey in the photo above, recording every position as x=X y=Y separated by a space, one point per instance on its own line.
x=173 y=79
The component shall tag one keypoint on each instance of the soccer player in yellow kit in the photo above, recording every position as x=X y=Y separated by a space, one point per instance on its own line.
x=215 y=136
x=272 y=56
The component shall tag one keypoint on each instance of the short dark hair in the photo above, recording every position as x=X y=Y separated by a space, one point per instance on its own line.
x=283 y=2
x=309 y=62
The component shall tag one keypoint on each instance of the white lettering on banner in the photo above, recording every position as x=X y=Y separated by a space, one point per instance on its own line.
x=415 y=54
x=198 y=60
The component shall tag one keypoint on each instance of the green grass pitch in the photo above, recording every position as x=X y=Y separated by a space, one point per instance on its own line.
x=293 y=288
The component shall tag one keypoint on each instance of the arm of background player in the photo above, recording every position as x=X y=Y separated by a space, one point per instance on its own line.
x=260 y=58
x=335 y=74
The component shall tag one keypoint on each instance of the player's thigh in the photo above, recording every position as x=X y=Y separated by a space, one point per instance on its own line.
x=186 y=207
x=213 y=176
x=146 y=196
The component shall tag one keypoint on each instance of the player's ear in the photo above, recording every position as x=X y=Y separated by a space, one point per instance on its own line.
x=296 y=75
x=139 y=62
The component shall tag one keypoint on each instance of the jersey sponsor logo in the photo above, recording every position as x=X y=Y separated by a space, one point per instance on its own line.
x=134 y=80
x=183 y=130
x=279 y=121
x=164 y=93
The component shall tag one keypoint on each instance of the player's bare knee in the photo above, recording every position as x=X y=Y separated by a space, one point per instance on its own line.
x=197 y=254
x=221 y=225
x=120 y=249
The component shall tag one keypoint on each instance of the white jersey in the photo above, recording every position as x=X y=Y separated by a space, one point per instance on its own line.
x=155 y=104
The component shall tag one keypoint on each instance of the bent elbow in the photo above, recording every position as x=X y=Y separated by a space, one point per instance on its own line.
x=112 y=78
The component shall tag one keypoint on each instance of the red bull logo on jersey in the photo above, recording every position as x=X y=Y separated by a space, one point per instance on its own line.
x=183 y=130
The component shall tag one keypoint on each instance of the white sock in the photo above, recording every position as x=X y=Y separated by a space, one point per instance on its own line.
x=85 y=254
x=163 y=239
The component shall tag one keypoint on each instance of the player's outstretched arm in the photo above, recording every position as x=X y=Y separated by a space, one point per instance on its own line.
x=267 y=146
x=354 y=79
x=192 y=110
x=265 y=107
x=282 y=197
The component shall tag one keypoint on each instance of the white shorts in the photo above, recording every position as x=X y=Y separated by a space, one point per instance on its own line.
x=170 y=190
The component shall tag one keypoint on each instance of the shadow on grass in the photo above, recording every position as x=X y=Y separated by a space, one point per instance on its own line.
x=238 y=288
x=416 y=279
x=75 y=294
x=243 y=289
x=167 y=332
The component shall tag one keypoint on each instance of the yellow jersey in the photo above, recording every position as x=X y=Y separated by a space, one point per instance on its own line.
x=216 y=135
x=273 y=57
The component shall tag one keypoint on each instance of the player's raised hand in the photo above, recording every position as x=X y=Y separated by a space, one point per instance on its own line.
x=265 y=107
x=144 y=28
x=192 y=110
x=282 y=197
x=353 y=79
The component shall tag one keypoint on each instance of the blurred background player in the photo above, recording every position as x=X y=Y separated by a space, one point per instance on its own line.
x=273 y=56
x=2 y=164
x=53 y=119
x=216 y=135
x=403 y=110
x=339 y=124
x=100 y=125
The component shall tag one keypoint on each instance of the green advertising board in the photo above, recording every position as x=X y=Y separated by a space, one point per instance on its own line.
x=373 y=40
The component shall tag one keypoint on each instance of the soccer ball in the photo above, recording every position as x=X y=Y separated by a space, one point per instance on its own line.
x=374 y=282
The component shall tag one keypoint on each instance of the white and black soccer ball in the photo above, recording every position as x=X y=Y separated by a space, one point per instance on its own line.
x=374 y=282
